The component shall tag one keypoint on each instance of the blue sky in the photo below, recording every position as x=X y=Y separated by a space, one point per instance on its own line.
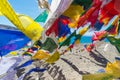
x=27 y=7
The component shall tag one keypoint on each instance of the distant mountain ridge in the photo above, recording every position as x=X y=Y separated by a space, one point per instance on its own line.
x=2 y=26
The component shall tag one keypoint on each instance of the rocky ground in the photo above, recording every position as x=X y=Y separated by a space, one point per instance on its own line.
x=74 y=64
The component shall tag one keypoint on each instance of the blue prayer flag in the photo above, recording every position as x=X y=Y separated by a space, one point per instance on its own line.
x=11 y=40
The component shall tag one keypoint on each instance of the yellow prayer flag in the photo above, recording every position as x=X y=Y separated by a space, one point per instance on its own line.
x=74 y=12
x=32 y=29
x=77 y=42
x=24 y=23
x=105 y=21
x=41 y=55
x=61 y=39
x=1 y=14
x=83 y=30
x=73 y=24
x=53 y=58
x=113 y=68
x=117 y=64
x=14 y=53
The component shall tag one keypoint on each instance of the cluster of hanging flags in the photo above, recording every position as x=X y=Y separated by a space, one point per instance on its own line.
x=68 y=28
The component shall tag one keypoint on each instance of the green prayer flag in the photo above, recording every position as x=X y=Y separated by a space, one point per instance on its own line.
x=114 y=41
x=42 y=17
x=49 y=45
x=85 y=3
x=53 y=58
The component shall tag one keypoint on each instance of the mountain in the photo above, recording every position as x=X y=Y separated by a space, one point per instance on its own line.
x=2 y=26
